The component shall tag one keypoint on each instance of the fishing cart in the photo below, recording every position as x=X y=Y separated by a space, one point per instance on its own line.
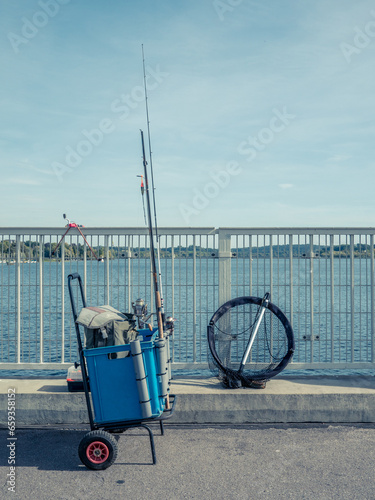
x=129 y=385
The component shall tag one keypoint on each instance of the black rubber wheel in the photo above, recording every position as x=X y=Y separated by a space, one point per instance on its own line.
x=97 y=450
x=228 y=334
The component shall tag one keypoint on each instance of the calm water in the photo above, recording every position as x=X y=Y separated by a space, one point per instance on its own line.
x=340 y=337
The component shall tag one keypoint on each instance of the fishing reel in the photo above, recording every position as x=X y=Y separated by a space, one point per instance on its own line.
x=140 y=311
x=169 y=325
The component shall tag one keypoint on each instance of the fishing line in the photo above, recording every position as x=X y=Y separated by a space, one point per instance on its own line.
x=152 y=246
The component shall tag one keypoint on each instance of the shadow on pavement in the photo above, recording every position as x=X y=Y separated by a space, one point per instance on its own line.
x=57 y=450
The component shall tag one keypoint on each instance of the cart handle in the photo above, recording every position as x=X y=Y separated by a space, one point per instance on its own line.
x=74 y=276
x=85 y=377
x=70 y=278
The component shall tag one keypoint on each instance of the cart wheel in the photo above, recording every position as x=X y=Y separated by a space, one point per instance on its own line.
x=97 y=450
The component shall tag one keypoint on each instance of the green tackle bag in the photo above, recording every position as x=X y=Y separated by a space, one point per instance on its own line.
x=105 y=326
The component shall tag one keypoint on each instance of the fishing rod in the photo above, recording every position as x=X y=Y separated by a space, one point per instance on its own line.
x=153 y=186
x=149 y=143
x=152 y=246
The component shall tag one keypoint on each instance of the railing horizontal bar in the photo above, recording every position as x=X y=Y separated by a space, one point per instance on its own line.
x=101 y=231
x=191 y=230
x=295 y=231
x=35 y=366
x=197 y=366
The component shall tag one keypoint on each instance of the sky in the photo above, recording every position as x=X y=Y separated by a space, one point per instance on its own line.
x=261 y=113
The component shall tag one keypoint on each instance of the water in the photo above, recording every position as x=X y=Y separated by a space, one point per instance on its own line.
x=317 y=290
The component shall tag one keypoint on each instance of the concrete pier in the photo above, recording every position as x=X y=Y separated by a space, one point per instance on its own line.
x=334 y=399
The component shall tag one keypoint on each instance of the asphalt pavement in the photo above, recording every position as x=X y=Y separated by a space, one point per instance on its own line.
x=273 y=461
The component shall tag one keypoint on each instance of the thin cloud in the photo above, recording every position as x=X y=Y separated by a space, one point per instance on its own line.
x=338 y=158
x=18 y=181
x=28 y=166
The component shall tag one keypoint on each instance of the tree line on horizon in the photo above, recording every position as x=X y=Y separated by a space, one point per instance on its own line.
x=29 y=250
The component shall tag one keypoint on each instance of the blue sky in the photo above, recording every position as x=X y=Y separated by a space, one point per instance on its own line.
x=261 y=112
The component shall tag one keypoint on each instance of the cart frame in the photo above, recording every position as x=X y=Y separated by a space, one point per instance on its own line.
x=117 y=426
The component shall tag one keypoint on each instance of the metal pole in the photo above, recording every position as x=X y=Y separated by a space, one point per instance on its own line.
x=291 y=277
x=331 y=258
x=352 y=306
x=372 y=300
x=62 y=302
x=194 y=302
x=311 y=259
x=224 y=267
x=107 y=266
x=18 y=296
x=41 y=289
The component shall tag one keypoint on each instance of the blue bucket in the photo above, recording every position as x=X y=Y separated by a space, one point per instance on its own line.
x=113 y=383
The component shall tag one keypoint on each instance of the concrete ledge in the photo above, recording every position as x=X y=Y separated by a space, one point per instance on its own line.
x=204 y=401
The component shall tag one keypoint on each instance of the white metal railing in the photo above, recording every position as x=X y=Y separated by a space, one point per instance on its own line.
x=322 y=278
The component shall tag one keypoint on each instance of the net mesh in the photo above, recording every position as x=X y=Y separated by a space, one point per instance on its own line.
x=229 y=338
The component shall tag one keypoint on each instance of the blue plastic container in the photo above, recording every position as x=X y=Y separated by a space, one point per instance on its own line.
x=113 y=383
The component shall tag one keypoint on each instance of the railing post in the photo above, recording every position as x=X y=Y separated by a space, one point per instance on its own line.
x=152 y=296
x=250 y=265
x=271 y=266
x=172 y=275
x=332 y=280
x=372 y=296
x=18 y=297
x=63 y=301
x=85 y=268
x=194 y=302
x=129 y=280
x=107 y=267
x=224 y=267
x=311 y=261
x=352 y=306
x=173 y=292
x=41 y=305
x=291 y=278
